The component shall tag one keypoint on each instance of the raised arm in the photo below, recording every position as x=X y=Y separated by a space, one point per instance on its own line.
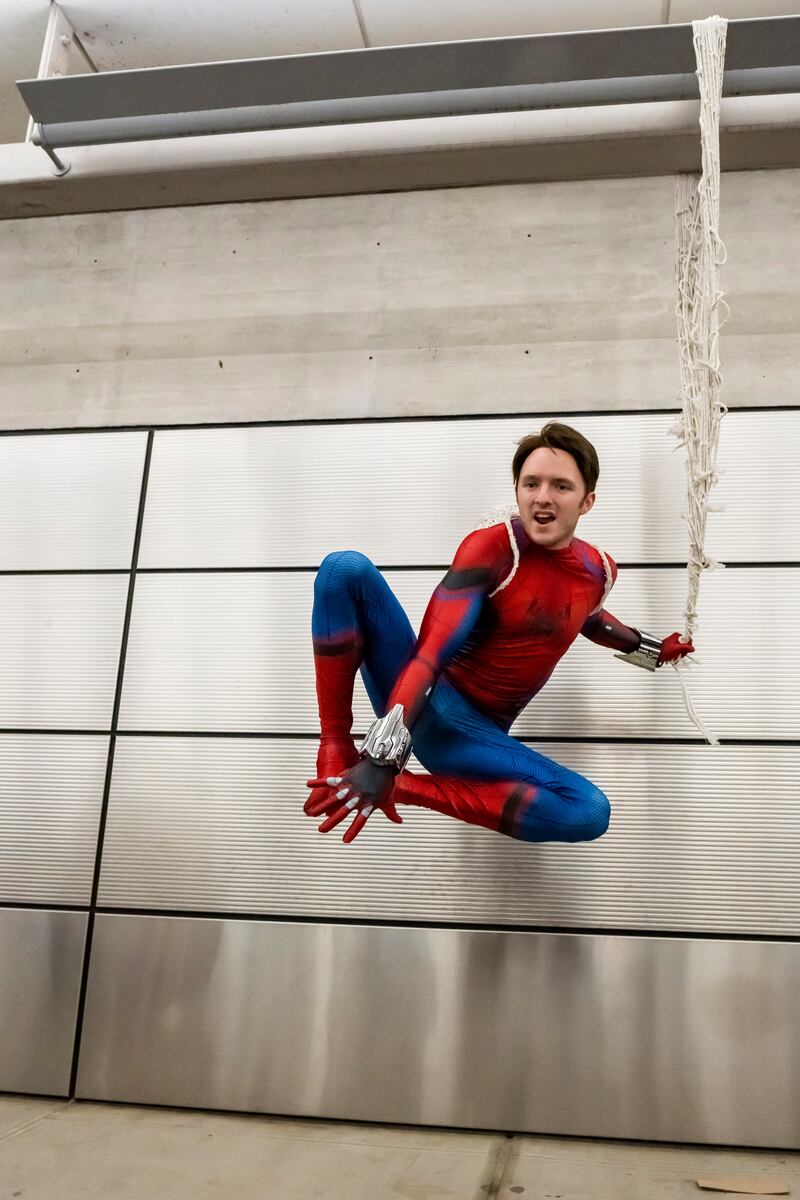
x=481 y=562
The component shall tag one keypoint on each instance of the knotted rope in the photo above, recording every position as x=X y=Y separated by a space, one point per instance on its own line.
x=700 y=311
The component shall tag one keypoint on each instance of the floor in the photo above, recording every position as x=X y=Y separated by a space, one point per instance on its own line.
x=58 y=1150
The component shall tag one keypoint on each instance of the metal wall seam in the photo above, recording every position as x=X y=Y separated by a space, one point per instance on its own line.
x=110 y=764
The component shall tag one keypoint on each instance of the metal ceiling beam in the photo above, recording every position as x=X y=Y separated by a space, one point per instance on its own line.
x=439 y=79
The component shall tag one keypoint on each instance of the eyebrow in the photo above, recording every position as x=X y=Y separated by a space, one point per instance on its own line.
x=558 y=479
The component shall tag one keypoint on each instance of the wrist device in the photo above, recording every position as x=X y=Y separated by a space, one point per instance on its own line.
x=648 y=654
x=388 y=742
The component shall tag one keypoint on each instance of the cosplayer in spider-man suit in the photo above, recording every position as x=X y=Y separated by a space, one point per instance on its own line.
x=514 y=599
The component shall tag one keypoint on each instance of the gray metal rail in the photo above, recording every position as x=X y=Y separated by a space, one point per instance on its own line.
x=440 y=79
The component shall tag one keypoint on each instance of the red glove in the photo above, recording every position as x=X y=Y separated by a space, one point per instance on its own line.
x=333 y=757
x=360 y=790
x=673 y=648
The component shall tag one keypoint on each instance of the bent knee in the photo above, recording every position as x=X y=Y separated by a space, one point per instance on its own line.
x=344 y=565
x=598 y=817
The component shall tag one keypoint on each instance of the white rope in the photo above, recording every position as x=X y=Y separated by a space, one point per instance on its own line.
x=700 y=311
x=502 y=514
x=609 y=578
x=680 y=669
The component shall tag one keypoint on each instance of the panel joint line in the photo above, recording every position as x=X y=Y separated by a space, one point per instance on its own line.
x=87 y=953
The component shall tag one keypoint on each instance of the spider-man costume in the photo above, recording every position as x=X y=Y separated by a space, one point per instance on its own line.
x=487 y=645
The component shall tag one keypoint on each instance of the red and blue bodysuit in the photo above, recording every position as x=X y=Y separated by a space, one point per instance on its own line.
x=489 y=641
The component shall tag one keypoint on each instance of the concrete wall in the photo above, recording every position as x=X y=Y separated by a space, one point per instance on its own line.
x=516 y=298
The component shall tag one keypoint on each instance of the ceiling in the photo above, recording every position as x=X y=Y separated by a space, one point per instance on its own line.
x=123 y=34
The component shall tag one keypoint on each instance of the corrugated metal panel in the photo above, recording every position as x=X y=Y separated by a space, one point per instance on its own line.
x=42 y=957
x=742 y=688
x=233 y=652
x=51 y=789
x=407 y=493
x=61 y=643
x=701 y=839
x=598 y=1036
x=404 y=493
x=69 y=501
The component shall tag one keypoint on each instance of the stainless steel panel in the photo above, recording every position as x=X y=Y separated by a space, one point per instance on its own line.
x=42 y=957
x=69 y=501
x=407 y=493
x=599 y=1036
x=61 y=643
x=233 y=652
x=701 y=839
x=51 y=791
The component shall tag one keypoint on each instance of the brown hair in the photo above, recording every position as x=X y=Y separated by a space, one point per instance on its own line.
x=556 y=436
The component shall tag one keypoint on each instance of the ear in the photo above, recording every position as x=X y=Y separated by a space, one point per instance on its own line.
x=587 y=502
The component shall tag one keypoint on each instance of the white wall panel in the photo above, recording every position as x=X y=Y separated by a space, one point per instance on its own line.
x=51 y=790
x=700 y=839
x=232 y=651
x=741 y=688
x=62 y=637
x=756 y=453
x=408 y=492
x=405 y=493
x=69 y=501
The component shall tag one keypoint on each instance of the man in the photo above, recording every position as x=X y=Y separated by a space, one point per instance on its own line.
x=515 y=598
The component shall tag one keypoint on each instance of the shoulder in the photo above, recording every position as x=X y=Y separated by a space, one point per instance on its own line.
x=598 y=562
x=492 y=541
x=489 y=548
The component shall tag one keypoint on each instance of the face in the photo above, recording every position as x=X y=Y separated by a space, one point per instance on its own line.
x=552 y=497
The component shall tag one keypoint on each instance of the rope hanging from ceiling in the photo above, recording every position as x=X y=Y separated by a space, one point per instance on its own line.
x=700 y=311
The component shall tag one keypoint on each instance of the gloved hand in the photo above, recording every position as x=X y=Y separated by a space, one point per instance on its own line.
x=672 y=648
x=360 y=789
x=333 y=757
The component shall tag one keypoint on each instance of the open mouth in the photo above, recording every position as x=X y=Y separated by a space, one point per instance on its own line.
x=544 y=518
